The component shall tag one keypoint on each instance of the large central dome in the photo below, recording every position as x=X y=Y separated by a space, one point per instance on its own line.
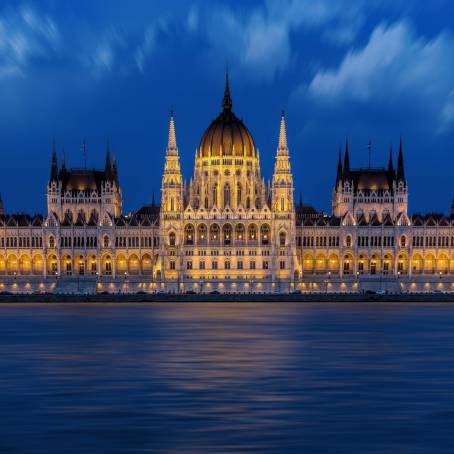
x=227 y=135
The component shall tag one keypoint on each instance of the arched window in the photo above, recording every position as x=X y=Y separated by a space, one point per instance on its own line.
x=258 y=204
x=106 y=241
x=189 y=234
x=172 y=204
x=403 y=241
x=226 y=195
x=227 y=234
x=282 y=239
x=348 y=241
x=202 y=233
x=248 y=202
x=252 y=232
x=215 y=194
x=265 y=234
x=282 y=204
x=206 y=203
x=51 y=242
x=238 y=194
x=239 y=232
x=214 y=232
x=172 y=239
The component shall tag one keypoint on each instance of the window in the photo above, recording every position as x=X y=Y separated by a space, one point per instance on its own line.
x=189 y=265
x=265 y=264
x=172 y=239
x=226 y=195
x=282 y=265
x=282 y=239
x=227 y=265
x=172 y=264
x=214 y=265
x=202 y=265
x=240 y=264
x=252 y=265
x=348 y=241
x=403 y=241
x=51 y=242
x=106 y=241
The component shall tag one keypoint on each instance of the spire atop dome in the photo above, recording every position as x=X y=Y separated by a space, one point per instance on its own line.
x=227 y=100
x=283 y=134
x=172 y=148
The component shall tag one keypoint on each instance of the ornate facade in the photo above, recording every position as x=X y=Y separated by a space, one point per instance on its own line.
x=227 y=230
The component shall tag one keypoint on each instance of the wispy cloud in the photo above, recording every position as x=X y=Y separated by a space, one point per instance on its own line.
x=25 y=35
x=258 y=40
x=105 y=50
x=393 y=66
x=149 y=42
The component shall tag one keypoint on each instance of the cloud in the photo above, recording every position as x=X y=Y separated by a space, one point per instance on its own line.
x=104 y=54
x=149 y=42
x=394 y=65
x=25 y=35
x=258 y=41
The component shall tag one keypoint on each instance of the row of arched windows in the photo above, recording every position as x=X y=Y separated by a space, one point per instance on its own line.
x=228 y=234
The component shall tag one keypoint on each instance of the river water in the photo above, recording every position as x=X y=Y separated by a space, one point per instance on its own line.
x=224 y=378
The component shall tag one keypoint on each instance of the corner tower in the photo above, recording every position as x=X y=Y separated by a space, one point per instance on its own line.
x=283 y=210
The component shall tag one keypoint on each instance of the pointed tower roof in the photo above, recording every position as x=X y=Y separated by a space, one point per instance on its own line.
x=339 y=167
x=172 y=148
x=400 y=162
x=108 y=168
x=53 y=164
x=227 y=100
x=282 y=146
x=346 y=169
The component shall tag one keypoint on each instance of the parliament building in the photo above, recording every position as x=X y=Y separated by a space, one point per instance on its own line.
x=227 y=230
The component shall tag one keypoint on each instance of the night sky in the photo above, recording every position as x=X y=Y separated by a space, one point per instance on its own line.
x=113 y=70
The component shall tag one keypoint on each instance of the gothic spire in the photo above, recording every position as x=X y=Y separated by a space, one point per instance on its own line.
x=172 y=148
x=339 y=168
x=346 y=170
x=282 y=147
x=53 y=164
x=390 y=163
x=400 y=162
x=108 y=169
x=227 y=100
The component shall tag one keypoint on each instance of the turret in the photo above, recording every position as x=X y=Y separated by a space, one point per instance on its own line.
x=282 y=185
x=172 y=183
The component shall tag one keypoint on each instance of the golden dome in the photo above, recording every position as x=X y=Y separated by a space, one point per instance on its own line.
x=227 y=135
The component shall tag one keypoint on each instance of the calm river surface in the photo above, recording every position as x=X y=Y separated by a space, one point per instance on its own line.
x=223 y=378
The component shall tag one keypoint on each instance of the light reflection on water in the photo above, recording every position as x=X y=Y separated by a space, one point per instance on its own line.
x=221 y=378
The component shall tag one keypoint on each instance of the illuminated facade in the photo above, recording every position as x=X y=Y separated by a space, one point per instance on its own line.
x=227 y=230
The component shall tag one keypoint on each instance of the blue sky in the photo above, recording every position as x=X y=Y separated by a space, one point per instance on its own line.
x=366 y=69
